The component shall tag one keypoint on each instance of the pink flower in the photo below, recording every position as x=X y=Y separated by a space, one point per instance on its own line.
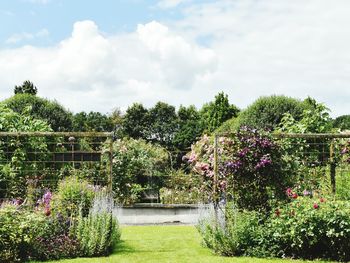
x=289 y=191
x=316 y=206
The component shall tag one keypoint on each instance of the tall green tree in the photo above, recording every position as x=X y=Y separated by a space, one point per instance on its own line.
x=190 y=127
x=163 y=124
x=218 y=111
x=136 y=122
x=26 y=88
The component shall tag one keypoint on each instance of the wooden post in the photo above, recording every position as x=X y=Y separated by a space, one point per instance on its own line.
x=110 y=172
x=332 y=166
x=215 y=181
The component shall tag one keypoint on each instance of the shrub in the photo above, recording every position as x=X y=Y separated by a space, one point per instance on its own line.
x=18 y=229
x=310 y=228
x=134 y=163
x=73 y=195
x=267 y=112
x=53 y=240
x=238 y=235
x=97 y=234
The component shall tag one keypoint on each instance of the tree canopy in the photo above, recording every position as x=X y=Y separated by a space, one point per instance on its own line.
x=52 y=112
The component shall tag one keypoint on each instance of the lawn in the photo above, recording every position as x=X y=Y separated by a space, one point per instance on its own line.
x=165 y=244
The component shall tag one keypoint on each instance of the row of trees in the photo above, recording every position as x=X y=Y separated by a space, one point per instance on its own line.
x=162 y=124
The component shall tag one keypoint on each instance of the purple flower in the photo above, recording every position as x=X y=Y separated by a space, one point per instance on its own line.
x=47 y=198
x=264 y=161
x=243 y=152
x=344 y=150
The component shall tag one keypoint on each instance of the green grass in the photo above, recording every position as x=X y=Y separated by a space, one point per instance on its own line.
x=165 y=244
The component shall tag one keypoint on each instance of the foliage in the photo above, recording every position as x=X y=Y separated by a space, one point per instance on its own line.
x=50 y=111
x=251 y=168
x=238 y=235
x=92 y=122
x=53 y=241
x=135 y=161
x=27 y=87
x=218 y=111
x=135 y=122
x=181 y=188
x=342 y=122
x=190 y=127
x=229 y=126
x=18 y=229
x=267 y=112
x=310 y=228
x=315 y=119
x=308 y=155
x=73 y=195
x=97 y=234
x=16 y=151
x=162 y=124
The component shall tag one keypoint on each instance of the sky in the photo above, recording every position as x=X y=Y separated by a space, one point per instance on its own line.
x=107 y=54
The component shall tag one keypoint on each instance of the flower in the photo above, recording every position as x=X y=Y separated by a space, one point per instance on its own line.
x=289 y=191
x=316 y=206
x=322 y=200
x=294 y=195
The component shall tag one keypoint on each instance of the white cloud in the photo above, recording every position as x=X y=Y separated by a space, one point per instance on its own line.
x=89 y=71
x=254 y=48
x=25 y=36
x=297 y=48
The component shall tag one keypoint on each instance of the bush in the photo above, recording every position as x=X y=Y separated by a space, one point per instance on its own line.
x=309 y=227
x=53 y=240
x=18 y=229
x=73 y=195
x=238 y=235
x=51 y=112
x=267 y=112
x=135 y=162
x=97 y=234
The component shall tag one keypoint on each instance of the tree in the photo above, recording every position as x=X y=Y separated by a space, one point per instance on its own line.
x=26 y=88
x=267 y=112
x=52 y=112
x=342 y=122
x=163 y=124
x=190 y=127
x=135 y=122
x=92 y=122
x=218 y=111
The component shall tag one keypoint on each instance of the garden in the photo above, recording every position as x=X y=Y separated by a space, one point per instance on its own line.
x=275 y=179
